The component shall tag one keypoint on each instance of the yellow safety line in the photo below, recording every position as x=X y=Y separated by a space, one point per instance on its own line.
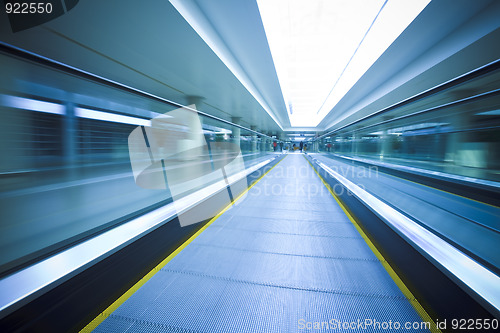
x=406 y=292
x=110 y=309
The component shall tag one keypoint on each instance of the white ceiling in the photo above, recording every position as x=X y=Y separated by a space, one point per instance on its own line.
x=436 y=47
x=448 y=39
x=150 y=46
x=322 y=47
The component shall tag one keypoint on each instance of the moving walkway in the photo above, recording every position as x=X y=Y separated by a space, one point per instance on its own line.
x=286 y=256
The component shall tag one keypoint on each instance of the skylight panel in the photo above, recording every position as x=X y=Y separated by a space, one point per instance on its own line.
x=322 y=47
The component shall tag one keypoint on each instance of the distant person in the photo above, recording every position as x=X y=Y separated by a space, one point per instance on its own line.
x=275 y=144
x=301 y=145
x=281 y=146
x=293 y=147
x=328 y=147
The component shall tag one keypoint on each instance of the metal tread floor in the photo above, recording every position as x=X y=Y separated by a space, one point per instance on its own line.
x=275 y=262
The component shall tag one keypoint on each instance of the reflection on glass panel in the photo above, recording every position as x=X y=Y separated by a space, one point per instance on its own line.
x=65 y=171
x=457 y=133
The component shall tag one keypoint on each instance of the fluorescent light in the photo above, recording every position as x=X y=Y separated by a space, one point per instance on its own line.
x=306 y=134
x=216 y=130
x=106 y=116
x=31 y=104
x=415 y=127
x=54 y=108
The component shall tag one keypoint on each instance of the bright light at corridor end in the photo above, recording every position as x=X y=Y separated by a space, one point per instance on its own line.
x=321 y=48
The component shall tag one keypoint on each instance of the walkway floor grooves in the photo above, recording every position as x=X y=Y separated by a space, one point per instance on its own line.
x=286 y=256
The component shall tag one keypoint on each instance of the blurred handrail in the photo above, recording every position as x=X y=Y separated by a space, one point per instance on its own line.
x=54 y=64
